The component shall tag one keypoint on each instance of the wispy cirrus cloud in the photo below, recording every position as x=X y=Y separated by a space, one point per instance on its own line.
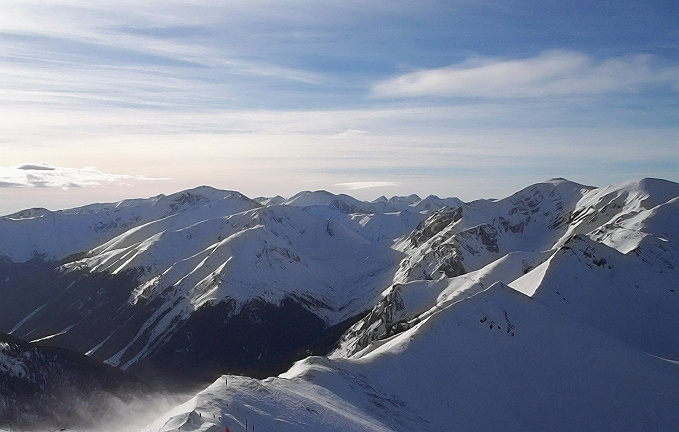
x=43 y=175
x=161 y=55
x=552 y=73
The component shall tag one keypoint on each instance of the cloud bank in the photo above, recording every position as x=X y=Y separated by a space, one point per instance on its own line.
x=551 y=73
x=43 y=175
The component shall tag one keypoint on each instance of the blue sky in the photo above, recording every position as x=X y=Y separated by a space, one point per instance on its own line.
x=456 y=98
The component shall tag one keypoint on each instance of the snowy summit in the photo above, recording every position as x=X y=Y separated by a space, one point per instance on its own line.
x=550 y=309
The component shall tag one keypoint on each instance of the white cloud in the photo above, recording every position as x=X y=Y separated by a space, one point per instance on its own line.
x=551 y=73
x=367 y=185
x=351 y=133
x=47 y=176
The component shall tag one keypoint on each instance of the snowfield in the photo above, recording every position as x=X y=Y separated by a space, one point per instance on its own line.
x=495 y=360
x=555 y=308
x=562 y=317
x=195 y=253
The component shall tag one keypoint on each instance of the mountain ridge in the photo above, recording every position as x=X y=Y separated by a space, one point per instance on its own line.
x=161 y=261
x=445 y=308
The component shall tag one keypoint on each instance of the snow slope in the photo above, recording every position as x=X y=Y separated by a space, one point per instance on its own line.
x=455 y=241
x=55 y=235
x=606 y=257
x=578 y=334
x=552 y=309
x=160 y=269
x=507 y=363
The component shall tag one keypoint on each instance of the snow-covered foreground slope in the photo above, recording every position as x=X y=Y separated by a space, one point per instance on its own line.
x=497 y=360
x=553 y=309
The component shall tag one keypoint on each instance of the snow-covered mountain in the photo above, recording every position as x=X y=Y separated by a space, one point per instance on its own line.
x=553 y=309
x=606 y=257
x=55 y=235
x=204 y=279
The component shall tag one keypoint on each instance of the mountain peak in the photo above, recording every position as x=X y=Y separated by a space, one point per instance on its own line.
x=311 y=198
x=428 y=294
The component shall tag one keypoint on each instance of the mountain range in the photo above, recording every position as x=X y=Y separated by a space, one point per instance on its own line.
x=555 y=308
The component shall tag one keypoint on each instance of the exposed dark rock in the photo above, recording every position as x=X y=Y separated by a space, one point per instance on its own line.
x=434 y=224
x=382 y=321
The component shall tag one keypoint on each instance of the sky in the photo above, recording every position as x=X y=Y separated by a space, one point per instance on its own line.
x=101 y=101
